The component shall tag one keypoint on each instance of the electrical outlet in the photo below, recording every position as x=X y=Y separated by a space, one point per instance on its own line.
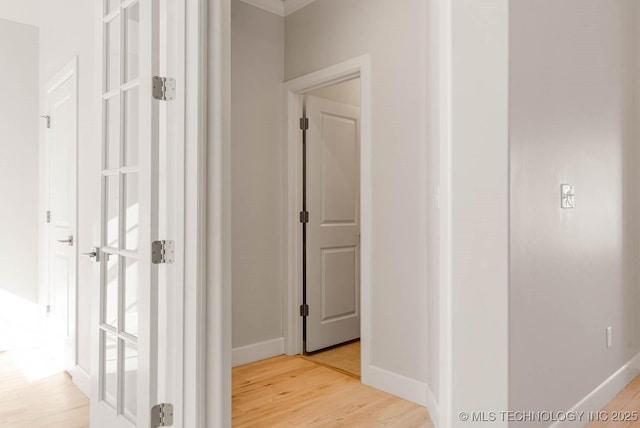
x=568 y=196
x=609 y=338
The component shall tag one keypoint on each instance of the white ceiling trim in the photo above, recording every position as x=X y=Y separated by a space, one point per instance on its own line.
x=273 y=6
x=279 y=7
x=291 y=6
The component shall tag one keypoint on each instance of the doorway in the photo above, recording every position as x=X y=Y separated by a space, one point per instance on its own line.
x=331 y=225
x=336 y=102
x=61 y=134
x=308 y=50
x=37 y=333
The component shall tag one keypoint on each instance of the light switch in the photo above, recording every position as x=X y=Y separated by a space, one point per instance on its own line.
x=568 y=195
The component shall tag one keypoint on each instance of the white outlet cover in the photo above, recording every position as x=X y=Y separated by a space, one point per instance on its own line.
x=568 y=196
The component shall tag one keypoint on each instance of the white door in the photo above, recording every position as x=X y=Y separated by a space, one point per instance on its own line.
x=124 y=330
x=333 y=231
x=61 y=136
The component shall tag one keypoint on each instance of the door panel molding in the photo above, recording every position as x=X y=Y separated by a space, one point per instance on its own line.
x=333 y=189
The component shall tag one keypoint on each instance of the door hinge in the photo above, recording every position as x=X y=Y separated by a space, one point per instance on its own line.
x=162 y=252
x=304 y=123
x=304 y=310
x=162 y=415
x=304 y=216
x=164 y=88
x=48 y=216
x=48 y=309
x=48 y=120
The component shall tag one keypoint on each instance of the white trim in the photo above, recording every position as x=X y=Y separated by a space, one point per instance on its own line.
x=605 y=392
x=444 y=12
x=273 y=6
x=192 y=362
x=81 y=379
x=291 y=6
x=257 y=351
x=280 y=7
x=357 y=67
x=407 y=388
x=398 y=385
x=432 y=406
x=217 y=379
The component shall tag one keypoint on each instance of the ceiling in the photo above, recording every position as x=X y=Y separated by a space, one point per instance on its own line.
x=280 y=7
x=28 y=11
x=22 y=11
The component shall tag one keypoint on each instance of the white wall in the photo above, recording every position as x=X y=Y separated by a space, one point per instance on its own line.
x=66 y=30
x=19 y=124
x=574 y=119
x=23 y=11
x=479 y=161
x=257 y=70
x=395 y=35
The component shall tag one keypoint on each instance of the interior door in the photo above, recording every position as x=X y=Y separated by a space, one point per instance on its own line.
x=62 y=132
x=124 y=369
x=333 y=230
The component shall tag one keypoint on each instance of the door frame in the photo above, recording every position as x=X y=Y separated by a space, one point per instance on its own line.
x=359 y=67
x=216 y=338
x=68 y=71
x=442 y=85
x=192 y=380
x=196 y=404
x=215 y=202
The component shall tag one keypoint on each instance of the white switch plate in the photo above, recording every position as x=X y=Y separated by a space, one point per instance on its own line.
x=568 y=195
x=609 y=338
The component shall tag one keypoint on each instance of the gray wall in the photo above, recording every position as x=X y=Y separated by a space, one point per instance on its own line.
x=67 y=29
x=393 y=33
x=478 y=225
x=19 y=160
x=573 y=272
x=257 y=72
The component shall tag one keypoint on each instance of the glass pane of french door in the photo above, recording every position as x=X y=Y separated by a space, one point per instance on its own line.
x=118 y=386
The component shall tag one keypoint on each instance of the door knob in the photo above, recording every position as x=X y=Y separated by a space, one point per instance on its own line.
x=93 y=255
x=69 y=241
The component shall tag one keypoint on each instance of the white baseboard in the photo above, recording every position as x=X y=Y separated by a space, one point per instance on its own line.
x=81 y=379
x=432 y=406
x=603 y=394
x=257 y=351
x=403 y=387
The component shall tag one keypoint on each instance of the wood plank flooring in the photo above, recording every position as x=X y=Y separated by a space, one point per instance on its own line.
x=294 y=392
x=626 y=401
x=345 y=358
x=52 y=402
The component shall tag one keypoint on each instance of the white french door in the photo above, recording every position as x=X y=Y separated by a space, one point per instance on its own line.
x=124 y=328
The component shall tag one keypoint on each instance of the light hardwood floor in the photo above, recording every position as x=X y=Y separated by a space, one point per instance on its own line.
x=295 y=392
x=345 y=358
x=52 y=402
x=627 y=401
